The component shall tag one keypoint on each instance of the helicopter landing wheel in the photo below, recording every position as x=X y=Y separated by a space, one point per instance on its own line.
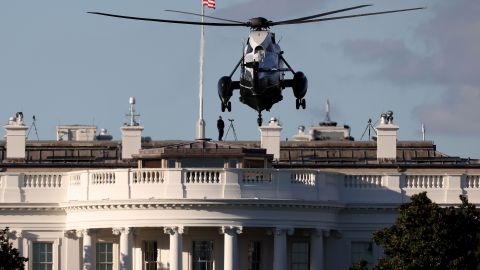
x=297 y=103
x=229 y=106
x=223 y=107
x=303 y=103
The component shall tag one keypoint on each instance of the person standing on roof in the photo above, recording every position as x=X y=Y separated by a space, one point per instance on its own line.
x=220 y=126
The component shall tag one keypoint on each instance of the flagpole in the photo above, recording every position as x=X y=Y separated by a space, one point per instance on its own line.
x=201 y=122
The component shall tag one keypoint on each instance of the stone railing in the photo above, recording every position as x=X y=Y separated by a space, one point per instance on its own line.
x=42 y=180
x=148 y=176
x=362 y=181
x=302 y=178
x=472 y=182
x=103 y=178
x=202 y=176
x=272 y=184
x=424 y=181
x=255 y=176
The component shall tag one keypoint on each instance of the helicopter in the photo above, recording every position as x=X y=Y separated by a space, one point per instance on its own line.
x=262 y=65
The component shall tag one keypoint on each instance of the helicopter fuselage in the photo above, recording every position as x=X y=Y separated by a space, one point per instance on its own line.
x=262 y=71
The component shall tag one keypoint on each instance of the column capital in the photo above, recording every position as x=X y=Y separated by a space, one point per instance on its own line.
x=122 y=230
x=230 y=230
x=17 y=233
x=72 y=234
x=320 y=232
x=172 y=230
x=83 y=232
x=283 y=230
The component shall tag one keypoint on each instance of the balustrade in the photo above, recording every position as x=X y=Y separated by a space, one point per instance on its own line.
x=251 y=176
x=241 y=183
x=202 y=176
x=363 y=181
x=302 y=178
x=472 y=181
x=75 y=180
x=143 y=176
x=103 y=178
x=47 y=180
x=424 y=181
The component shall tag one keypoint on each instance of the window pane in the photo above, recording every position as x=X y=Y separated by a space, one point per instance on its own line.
x=300 y=256
x=202 y=255
x=362 y=250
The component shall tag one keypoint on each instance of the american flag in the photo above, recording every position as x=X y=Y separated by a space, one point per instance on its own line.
x=209 y=3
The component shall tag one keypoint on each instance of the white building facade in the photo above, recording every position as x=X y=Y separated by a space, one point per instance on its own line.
x=316 y=210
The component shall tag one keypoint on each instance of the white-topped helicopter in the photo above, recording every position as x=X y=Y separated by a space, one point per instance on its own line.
x=262 y=66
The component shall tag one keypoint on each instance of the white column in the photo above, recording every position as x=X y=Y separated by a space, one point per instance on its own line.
x=316 y=249
x=87 y=250
x=280 y=248
x=176 y=247
x=125 y=247
x=230 y=261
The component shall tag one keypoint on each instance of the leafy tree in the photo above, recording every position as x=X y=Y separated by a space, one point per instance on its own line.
x=426 y=236
x=9 y=257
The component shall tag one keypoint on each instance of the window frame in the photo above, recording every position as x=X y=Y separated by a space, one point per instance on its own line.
x=55 y=251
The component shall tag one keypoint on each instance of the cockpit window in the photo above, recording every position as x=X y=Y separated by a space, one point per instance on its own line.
x=249 y=49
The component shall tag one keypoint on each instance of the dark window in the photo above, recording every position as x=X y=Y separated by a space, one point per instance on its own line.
x=42 y=257
x=254 y=255
x=104 y=256
x=202 y=255
x=299 y=256
x=150 y=255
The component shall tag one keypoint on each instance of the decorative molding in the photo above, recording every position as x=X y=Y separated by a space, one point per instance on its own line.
x=230 y=230
x=122 y=230
x=172 y=230
x=283 y=230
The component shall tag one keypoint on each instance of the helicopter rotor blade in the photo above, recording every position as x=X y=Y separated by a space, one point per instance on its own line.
x=169 y=21
x=354 y=16
x=200 y=15
x=318 y=15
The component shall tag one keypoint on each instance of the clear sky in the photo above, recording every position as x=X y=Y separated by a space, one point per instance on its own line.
x=68 y=67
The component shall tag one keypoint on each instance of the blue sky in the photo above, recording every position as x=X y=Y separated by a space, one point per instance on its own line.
x=68 y=67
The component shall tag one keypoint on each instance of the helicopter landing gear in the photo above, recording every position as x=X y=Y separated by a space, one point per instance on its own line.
x=300 y=103
x=259 y=119
x=227 y=106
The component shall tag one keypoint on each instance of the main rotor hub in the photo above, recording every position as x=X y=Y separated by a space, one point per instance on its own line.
x=259 y=23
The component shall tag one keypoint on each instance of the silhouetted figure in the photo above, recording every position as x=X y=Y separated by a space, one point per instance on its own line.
x=220 y=126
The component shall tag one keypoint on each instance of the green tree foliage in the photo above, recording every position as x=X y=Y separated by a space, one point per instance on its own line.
x=9 y=257
x=426 y=236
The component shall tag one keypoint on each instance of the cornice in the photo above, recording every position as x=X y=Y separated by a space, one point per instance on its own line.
x=199 y=204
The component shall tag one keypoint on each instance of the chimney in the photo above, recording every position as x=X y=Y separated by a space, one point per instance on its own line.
x=131 y=133
x=131 y=141
x=16 y=137
x=270 y=138
x=386 y=137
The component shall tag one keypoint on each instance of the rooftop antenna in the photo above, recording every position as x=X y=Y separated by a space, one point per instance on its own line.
x=327 y=111
x=132 y=114
x=35 y=127
x=423 y=131
x=369 y=128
